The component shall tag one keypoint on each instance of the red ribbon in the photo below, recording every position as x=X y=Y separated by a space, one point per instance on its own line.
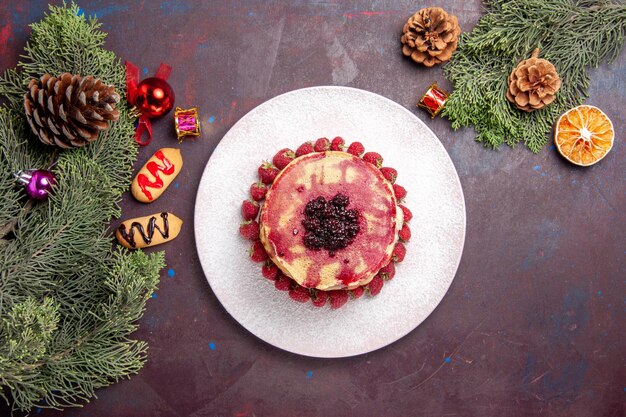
x=132 y=80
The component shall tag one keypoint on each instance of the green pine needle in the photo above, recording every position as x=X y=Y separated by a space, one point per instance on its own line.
x=572 y=34
x=68 y=301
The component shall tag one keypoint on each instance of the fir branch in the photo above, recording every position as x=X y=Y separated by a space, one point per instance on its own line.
x=68 y=302
x=15 y=154
x=572 y=34
x=12 y=87
x=87 y=357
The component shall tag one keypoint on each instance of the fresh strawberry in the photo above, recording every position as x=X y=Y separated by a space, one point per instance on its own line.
x=258 y=191
x=388 y=271
x=270 y=271
x=320 y=298
x=249 y=209
x=304 y=149
x=267 y=173
x=407 y=213
x=390 y=174
x=357 y=292
x=249 y=230
x=338 y=298
x=399 y=191
x=373 y=158
x=257 y=252
x=283 y=283
x=356 y=148
x=299 y=294
x=398 y=252
x=321 y=145
x=405 y=233
x=375 y=285
x=337 y=144
x=283 y=157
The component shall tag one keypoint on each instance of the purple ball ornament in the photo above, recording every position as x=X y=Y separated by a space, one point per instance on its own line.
x=37 y=182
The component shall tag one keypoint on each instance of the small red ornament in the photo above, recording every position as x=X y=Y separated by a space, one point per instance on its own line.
x=434 y=100
x=154 y=97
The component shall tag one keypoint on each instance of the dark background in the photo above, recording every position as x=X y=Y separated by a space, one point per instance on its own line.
x=534 y=321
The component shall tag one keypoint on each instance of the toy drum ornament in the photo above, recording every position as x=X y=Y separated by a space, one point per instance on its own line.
x=434 y=100
x=187 y=122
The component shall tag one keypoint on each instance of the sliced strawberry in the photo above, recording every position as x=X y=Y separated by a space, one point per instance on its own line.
x=390 y=174
x=257 y=252
x=320 y=298
x=258 y=191
x=399 y=191
x=267 y=173
x=375 y=285
x=249 y=210
x=270 y=271
x=338 y=298
x=407 y=213
x=388 y=271
x=299 y=294
x=405 y=233
x=374 y=159
x=356 y=148
x=321 y=145
x=357 y=292
x=282 y=283
x=337 y=144
x=249 y=230
x=283 y=158
x=399 y=252
x=304 y=149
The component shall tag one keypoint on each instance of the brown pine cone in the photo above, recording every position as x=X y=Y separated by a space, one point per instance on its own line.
x=533 y=84
x=430 y=36
x=69 y=111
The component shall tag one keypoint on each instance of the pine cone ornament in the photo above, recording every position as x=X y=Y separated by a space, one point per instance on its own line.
x=430 y=36
x=533 y=84
x=69 y=111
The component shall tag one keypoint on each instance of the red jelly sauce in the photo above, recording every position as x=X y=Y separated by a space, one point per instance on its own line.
x=366 y=193
x=167 y=169
x=347 y=276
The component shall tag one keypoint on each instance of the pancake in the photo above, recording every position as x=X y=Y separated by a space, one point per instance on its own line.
x=344 y=252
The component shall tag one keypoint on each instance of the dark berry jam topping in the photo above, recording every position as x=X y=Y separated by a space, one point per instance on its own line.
x=330 y=225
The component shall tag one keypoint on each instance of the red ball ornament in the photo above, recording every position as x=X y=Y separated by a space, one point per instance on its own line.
x=155 y=97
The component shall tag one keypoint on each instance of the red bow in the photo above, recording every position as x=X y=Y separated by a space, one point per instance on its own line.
x=132 y=80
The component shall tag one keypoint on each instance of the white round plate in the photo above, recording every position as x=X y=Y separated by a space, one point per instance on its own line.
x=434 y=196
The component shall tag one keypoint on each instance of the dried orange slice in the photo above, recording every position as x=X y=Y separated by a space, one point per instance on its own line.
x=584 y=135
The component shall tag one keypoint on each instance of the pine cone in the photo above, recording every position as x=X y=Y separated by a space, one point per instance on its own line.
x=69 y=111
x=533 y=83
x=430 y=36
